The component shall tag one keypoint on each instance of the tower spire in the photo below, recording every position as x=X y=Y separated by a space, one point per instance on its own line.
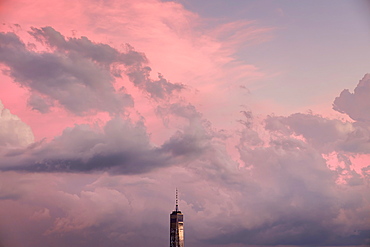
x=177 y=226
x=177 y=201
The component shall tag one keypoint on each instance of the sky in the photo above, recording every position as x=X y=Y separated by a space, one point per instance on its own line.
x=256 y=111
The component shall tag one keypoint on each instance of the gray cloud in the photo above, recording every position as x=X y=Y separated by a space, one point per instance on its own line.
x=75 y=82
x=292 y=233
x=78 y=73
x=194 y=139
x=157 y=89
x=122 y=148
x=291 y=197
x=38 y=103
x=287 y=196
x=108 y=56
x=356 y=104
x=282 y=193
x=98 y=52
x=326 y=135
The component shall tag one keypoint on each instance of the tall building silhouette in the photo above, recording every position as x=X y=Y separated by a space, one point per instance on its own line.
x=176 y=226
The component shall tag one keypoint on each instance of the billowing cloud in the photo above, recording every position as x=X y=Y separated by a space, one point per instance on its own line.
x=283 y=193
x=286 y=195
x=110 y=58
x=13 y=131
x=326 y=135
x=78 y=73
x=191 y=141
x=109 y=178
x=356 y=104
x=289 y=185
x=122 y=146
x=75 y=82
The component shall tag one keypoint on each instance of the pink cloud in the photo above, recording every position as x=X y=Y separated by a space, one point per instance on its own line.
x=244 y=178
x=172 y=37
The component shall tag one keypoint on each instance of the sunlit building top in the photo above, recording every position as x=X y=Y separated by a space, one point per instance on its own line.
x=176 y=226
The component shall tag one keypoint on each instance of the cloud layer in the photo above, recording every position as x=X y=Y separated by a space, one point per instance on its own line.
x=77 y=73
x=284 y=192
x=108 y=179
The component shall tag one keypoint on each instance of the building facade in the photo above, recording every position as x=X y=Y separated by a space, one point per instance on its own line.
x=176 y=227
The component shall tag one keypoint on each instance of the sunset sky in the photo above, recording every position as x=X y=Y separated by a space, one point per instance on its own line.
x=257 y=111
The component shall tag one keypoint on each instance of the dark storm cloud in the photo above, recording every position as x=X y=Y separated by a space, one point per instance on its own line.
x=356 y=104
x=123 y=148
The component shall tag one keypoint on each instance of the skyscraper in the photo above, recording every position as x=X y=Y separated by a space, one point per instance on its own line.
x=176 y=226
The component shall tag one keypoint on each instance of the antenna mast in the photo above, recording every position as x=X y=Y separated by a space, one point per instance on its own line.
x=177 y=201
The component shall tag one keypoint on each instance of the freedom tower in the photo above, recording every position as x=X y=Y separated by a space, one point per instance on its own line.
x=176 y=227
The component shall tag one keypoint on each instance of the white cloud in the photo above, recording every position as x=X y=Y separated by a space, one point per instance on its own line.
x=13 y=131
